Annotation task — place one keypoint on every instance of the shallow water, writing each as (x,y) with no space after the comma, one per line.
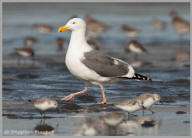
(49,77)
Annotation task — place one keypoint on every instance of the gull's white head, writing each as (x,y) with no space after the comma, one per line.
(73,24)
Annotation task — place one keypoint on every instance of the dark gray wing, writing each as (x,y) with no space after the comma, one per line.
(104,65)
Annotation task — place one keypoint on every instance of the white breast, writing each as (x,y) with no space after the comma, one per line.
(148,102)
(135,49)
(23,53)
(43,106)
(78,69)
(130,108)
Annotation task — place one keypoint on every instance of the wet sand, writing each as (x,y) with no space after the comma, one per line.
(166,121)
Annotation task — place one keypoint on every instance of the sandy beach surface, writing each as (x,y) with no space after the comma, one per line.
(167,120)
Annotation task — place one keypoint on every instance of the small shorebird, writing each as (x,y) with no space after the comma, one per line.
(148,99)
(43,104)
(129,31)
(25,52)
(29,41)
(135,47)
(43,28)
(93,44)
(94,27)
(180,25)
(159,25)
(130,105)
(90,65)
(60,42)
(113,119)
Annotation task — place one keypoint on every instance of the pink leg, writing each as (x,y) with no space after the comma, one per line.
(69,97)
(103,94)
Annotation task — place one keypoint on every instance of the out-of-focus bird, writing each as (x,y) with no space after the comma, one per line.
(93,45)
(135,47)
(129,31)
(180,25)
(29,41)
(25,53)
(43,28)
(60,43)
(159,25)
(94,27)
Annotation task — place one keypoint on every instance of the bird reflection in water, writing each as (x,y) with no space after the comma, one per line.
(117,124)
(140,125)
(44,129)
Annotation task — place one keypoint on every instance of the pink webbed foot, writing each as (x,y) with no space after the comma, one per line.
(67,98)
(104,102)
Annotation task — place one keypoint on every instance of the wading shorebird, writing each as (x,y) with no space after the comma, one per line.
(90,65)
(180,25)
(44,104)
(43,28)
(148,99)
(130,105)
(129,31)
(29,41)
(25,53)
(159,25)
(60,42)
(135,47)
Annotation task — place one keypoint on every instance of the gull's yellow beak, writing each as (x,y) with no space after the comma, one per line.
(63,28)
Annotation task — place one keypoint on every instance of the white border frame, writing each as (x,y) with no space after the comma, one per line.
(87,1)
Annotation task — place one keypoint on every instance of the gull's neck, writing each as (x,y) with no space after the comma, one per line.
(78,40)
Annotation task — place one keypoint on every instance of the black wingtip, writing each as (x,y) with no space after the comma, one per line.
(150,79)
(29,100)
(141,77)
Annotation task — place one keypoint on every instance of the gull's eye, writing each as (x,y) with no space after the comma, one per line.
(73,22)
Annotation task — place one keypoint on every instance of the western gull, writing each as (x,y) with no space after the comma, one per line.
(90,65)
(93,44)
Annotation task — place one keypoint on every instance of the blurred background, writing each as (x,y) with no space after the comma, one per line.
(18,21)
(34,56)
